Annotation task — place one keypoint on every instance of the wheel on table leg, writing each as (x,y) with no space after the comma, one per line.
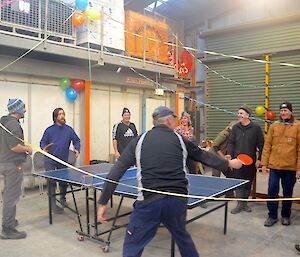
(80,238)
(105,249)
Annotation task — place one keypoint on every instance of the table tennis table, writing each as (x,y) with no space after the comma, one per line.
(198,185)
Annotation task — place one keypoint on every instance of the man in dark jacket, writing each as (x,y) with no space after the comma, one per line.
(12,155)
(160,155)
(246,138)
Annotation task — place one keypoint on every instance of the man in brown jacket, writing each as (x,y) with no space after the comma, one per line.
(281,154)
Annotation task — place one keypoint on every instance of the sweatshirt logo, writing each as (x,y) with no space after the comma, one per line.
(129,133)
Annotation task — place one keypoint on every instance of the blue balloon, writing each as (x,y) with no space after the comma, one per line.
(71,94)
(81,4)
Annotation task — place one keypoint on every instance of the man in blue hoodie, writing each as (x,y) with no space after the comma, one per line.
(56,140)
(13,153)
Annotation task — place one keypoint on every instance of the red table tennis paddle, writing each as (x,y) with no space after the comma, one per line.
(245,159)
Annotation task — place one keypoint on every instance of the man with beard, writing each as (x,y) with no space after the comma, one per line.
(13,153)
(56,140)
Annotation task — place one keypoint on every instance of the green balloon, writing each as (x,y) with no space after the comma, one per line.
(64,83)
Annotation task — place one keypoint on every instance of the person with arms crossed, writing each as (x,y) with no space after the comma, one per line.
(160,156)
(13,154)
(56,140)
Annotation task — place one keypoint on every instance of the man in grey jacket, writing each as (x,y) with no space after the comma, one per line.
(12,155)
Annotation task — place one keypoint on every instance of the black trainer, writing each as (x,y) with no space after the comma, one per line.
(286,221)
(239,208)
(63,203)
(57,210)
(12,233)
(247,208)
(270,222)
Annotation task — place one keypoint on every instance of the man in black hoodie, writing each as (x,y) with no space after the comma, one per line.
(12,154)
(246,138)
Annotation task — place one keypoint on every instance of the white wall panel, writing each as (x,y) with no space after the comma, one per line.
(44,99)
(100,125)
(151,104)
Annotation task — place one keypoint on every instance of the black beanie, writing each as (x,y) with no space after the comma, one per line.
(55,114)
(125,110)
(287,105)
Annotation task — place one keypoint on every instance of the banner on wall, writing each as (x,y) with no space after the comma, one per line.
(184,64)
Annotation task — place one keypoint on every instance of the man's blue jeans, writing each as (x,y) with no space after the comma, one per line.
(288,179)
(146,218)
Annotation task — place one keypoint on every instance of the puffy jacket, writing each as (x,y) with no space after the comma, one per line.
(282,147)
(221,141)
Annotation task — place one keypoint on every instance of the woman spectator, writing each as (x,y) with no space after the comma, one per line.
(186,130)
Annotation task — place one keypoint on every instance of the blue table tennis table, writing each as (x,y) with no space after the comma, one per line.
(198,185)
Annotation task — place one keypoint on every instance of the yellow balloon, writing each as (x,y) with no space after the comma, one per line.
(260,110)
(93,14)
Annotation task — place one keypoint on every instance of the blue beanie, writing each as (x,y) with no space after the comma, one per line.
(16,106)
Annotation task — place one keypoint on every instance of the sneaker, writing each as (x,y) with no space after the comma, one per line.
(12,233)
(57,210)
(239,208)
(247,208)
(270,222)
(64,203)
(297,246)
(286,221)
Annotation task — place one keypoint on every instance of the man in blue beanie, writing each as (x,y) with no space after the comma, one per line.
(13,153)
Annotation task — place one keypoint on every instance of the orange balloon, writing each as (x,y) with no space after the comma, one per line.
(78,19)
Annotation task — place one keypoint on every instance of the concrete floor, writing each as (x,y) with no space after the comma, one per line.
(246,235)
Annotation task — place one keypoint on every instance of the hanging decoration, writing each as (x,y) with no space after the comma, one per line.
(71,94)
(184,64)
(85,12)
(64,83)
(81,4)
(93,14)
(270,115)
(78,19)
(260,110)
(77,84)
(72,87)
